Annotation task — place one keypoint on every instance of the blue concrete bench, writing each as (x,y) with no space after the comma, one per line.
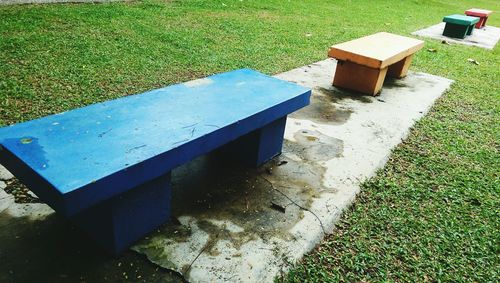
(107,166)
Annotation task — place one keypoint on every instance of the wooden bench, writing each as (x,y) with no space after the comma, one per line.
(459,26)
(107,166)
(363,63)
(481,14)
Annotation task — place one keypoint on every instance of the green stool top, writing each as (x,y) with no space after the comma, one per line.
(460,19)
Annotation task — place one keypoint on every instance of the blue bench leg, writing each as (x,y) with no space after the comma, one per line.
(118,222)
(259,146)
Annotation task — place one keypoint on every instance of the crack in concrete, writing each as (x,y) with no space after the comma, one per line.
(298,205)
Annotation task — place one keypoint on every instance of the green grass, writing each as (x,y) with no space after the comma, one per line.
(432,214)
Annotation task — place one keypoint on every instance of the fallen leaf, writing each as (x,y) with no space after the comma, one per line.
(432,50)
(473,61)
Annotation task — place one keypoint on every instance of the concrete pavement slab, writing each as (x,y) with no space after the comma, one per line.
(486,37)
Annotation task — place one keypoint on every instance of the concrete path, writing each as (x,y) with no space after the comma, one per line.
(232,223)
(486,37)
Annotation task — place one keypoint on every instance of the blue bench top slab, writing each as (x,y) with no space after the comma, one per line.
(81,157)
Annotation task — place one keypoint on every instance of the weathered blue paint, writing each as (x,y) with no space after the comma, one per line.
(81,161)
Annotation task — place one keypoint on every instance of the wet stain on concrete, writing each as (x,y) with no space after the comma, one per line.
(394,83)
(315,146)
(323,109)
(226,191)
(210,188)
(415,83)
(178,232)
(341,94)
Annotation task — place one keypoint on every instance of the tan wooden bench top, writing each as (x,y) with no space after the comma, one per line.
(377,50)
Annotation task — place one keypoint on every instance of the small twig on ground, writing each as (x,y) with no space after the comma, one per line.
(278,207)
(209,244)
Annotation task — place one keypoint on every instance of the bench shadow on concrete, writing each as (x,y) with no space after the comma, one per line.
(51,250)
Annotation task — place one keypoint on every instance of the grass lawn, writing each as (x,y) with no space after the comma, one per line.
(432,214)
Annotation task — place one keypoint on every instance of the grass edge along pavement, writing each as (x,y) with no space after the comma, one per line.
(431,214)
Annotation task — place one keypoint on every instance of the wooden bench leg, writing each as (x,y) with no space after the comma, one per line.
(257,147)
(482,22)
(479,24)
(470,29)
(359,78)
(400,69)
(118,222)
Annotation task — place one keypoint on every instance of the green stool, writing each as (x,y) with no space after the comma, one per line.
(459,26)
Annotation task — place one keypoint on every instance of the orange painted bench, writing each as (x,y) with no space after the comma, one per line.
(363,63)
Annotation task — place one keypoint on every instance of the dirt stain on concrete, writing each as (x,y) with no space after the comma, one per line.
(314,146)
(210,188)
(323,108)
(394,83)
(342,94)
(222,190)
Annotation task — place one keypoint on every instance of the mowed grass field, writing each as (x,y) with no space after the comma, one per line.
(432,214)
